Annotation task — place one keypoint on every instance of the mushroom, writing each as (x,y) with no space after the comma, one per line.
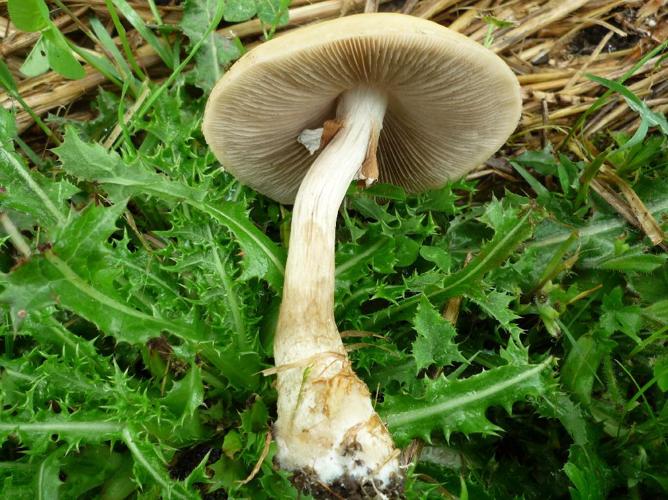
(370,96)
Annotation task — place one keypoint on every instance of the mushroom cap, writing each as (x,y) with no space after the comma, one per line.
(451,102)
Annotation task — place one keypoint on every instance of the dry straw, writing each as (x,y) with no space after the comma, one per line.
(551,46)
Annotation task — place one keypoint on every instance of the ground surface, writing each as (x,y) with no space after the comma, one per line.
(512,325)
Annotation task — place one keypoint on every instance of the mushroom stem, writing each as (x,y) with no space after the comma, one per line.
(309,273)
(327,428)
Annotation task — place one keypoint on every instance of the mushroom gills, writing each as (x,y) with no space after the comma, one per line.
(327,429)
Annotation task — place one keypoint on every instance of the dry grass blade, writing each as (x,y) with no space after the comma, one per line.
(612,198)
(297,16)
(433,7)
(645,219)
(260,461)
(371,6)
(594,56)
(551,45)
(550,13)
(469,15)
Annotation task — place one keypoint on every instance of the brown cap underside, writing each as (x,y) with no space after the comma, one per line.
(451,102)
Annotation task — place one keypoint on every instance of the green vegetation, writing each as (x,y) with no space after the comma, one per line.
(140,284)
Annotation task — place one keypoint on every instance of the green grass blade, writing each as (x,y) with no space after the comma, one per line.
(138,23)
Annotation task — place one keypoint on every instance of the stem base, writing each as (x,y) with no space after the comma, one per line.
(332,433)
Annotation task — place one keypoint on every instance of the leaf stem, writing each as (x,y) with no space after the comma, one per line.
(23,172)
(15,235)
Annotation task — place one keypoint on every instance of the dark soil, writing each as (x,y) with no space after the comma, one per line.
(346,487)
(186,460)
(588,39)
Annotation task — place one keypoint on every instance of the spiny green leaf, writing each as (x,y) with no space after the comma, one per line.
(497,305)
(93,163)
(579,370)
(150,465)
(636,262)
(460,405)
(216,52)
(620,317)
(78,278)
(511,230)
(588,474)
(47,480)
(657,311)
(187,394)
(437,255)
(31,193)
(435,338)
(72,428)
(556,404)
(263,258)
(548,233)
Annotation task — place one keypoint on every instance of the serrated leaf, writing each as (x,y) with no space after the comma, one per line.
(47,481)
(559,405)
(497,305)
(579,370)
(75,274)
(657,311)
(255,418)
(71,428)
(151,465)
(588,474)
(232,443)
(94,163)
(460,405)
(216,51)
(437,255)
(435,338)
(262,257)
(31,193)
(599,228)
(187,394)
(637,262)
(511,230)
(618,316)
